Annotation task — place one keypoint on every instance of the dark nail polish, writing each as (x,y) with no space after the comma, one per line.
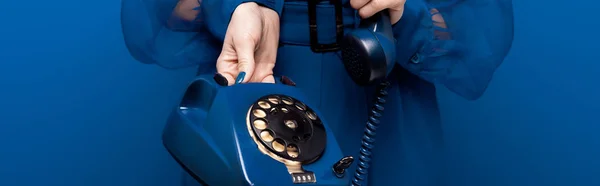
(240,77)
(220,79)
(287,81)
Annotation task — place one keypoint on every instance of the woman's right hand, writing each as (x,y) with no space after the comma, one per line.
(250,45)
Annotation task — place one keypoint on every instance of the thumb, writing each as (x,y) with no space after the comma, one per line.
(245,53)
(396,12)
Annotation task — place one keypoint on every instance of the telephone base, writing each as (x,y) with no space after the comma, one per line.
(209,135)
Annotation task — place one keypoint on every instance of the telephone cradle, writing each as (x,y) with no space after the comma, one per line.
(253,134)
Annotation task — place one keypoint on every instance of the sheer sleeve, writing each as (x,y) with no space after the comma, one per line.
(179,33)
(458,43)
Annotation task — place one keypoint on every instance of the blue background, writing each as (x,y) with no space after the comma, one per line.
(77,110)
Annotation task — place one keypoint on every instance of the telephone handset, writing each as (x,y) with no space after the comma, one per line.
(369,54)
(268,134)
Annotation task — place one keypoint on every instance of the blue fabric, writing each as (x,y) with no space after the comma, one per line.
(463,56)
(461,51)
(151,39)
(155,34)
(219,12)
(464,50)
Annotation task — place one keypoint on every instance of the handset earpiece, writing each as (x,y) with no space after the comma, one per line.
(368,53)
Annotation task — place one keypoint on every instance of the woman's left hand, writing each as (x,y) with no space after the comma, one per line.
(368,8)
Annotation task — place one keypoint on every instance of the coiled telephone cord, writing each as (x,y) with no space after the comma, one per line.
(368,139)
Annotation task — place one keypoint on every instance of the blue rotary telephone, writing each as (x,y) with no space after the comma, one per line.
(270,134)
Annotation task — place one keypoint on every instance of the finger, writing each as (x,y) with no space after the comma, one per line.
(269,79)
(371,8)
(228,69)
(396,11)
(265,57)
(357,4)
(438,21)
(262,71)
(227,62)
(396,14)
(437,18)
(245,56)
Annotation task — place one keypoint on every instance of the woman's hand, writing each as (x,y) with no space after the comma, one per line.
(368,8)
(250,45)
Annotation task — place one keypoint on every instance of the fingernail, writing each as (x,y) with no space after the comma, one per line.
(240,77)
(220,79)
(287,81)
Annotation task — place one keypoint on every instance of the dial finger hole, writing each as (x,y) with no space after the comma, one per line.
(278,145)
(266,135)
(259,113)
(273,111)
(300,106)
(292,151)
(260,124)
(274,100)
(285,110)
(287,101)
(291,124)
(264,105)
(311,115)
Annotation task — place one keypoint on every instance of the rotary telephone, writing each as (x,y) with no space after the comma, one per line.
(271,134)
